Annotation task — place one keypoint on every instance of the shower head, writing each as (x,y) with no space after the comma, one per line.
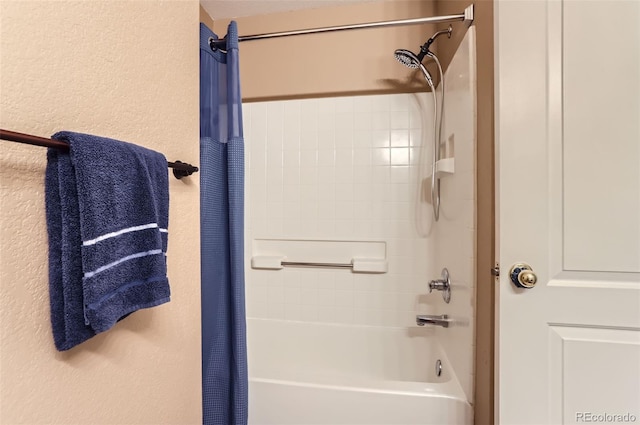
(413,61)
(410,60)
(407,58)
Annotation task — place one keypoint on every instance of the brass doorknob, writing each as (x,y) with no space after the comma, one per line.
(522,276)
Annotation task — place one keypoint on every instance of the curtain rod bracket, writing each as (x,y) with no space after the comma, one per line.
(469,15)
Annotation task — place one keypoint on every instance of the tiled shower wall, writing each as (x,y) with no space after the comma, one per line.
(338,169)
(347,169)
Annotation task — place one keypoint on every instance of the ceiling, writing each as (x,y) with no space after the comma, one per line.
(219,9)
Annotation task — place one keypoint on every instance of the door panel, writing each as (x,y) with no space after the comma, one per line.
(601,133)
(590,365)
(568,155)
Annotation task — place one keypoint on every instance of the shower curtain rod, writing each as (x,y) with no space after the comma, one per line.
(180,169)
(467,17)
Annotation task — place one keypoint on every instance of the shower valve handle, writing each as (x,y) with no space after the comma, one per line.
(438,285)
(443,284)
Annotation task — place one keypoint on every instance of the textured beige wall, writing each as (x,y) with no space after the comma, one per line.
(123,69)
(205,18)
(329,64)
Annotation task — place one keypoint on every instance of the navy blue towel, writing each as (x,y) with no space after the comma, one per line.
(107,205)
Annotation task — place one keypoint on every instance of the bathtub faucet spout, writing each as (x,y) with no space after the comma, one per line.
(429,319)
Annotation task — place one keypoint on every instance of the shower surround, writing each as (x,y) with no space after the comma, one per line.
(347,169)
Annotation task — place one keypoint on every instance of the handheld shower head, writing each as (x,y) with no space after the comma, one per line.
(407,58)
(410,60)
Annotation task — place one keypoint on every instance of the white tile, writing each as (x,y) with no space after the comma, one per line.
(309,313)
(344,158)
(362,120)
(325,297)
(308,158)
(344,122)
(327,210)
(308,139)
(308,296)
(381,156)
(326,157)
(290,192)
(274,158)
(291,175)
(309,176)
(275,311)
(275,295)
(291,139)
(344,299)
(274,193)
(326,228)
(344,175)
(274,210)
(379,103)
(344,104)
(381,121)
(326,139)
(291,158)
(344,211)
(344,193)
(274,134)
(361,157)
(292,295)
(309,107)
(398,102)
(380,174)
(399,119)
(291,278)
(399,138)
(380,138)
(361,174)
(344,139)
(291,210)
(274,228)
(308,194)
(294,312)
(326,175)
(400,175)
(363,138)
(326,193)
(291,111)
(335,315)
(399,156)
(362,104)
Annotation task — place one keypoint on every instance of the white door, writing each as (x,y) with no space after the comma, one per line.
(568,188)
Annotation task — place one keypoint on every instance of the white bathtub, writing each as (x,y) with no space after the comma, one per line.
(305,373)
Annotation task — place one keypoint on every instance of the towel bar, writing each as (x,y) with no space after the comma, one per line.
(357,265)
(180,169)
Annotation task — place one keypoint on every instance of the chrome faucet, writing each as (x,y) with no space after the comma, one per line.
(429,319)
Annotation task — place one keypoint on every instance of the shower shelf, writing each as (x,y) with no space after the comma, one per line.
(445,167)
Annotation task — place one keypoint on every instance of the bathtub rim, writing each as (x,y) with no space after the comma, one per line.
(449,388)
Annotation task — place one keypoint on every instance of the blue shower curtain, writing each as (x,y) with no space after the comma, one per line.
(224,353)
